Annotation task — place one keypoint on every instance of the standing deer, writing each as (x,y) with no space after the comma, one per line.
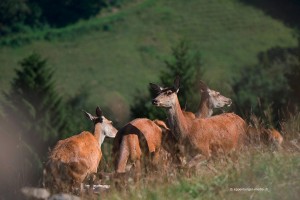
(76,157)
(129,139)
(210,99)
(221,132)
(138,137)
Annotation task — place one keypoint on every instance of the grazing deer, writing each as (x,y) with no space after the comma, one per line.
(221,132)
(76,157)
(137,137)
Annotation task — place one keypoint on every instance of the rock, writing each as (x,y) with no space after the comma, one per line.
(35,193)
(64,196)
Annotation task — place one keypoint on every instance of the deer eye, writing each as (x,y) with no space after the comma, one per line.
(169,92)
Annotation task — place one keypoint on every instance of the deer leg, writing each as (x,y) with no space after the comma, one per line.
(137,170)
(155,159)
(205,151)
(123,158)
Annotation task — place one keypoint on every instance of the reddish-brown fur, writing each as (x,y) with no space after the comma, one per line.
(221,132)
(74,158)
(267,136)
(137,137)
(210,99)
(275,137)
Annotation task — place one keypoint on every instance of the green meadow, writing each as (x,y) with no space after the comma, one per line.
(117,53)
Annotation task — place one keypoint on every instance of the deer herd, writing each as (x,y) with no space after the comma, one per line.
(75,160)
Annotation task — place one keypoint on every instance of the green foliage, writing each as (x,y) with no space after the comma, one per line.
(15,15)
(12,14)
(129,54)
(184,63)
(271,85)
(188,66)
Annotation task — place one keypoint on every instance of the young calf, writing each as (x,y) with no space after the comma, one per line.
(76,157)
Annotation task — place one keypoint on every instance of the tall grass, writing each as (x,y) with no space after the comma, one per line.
(258,173)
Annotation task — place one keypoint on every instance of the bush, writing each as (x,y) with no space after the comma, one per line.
(271,85)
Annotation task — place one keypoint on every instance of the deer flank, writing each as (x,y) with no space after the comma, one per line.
(207,135)
(76,157)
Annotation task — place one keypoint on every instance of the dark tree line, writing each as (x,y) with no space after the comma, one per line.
(15,15)
(271,88)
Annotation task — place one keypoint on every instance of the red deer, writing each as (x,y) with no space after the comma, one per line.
(221,132)
(257,133)
(210,99)
(137,137)
(128,140)
(76,157)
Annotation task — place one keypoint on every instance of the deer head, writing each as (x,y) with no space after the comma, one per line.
(166,97)
(107,129)
(216,100)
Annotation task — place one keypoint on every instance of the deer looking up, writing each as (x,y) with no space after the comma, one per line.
(221,132)
(130,139)
(76,157)
(210,99)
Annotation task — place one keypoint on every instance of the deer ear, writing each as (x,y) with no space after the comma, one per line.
(98,112)
(177,83)
(161,124)
(155,87)
(203,86)
(88,115)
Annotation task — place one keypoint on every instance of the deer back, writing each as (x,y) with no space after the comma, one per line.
(222,132)
(74,158)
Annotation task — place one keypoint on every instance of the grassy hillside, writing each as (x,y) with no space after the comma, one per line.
(114,55)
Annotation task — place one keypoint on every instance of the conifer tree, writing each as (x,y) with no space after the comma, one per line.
(34,105)
(185,63)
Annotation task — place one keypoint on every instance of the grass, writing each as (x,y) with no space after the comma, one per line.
(116,54)
(258,174)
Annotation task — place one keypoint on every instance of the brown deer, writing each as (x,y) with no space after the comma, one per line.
(257,133)
(138,137)
(76,157)
(210,99)
(157,134)
(221,132)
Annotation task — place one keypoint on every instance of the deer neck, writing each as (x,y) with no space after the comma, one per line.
(98,133)
(178,123)
(204,109)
